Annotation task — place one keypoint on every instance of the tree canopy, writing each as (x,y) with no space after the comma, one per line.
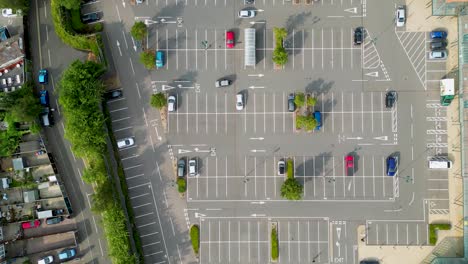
(23,5)
(158,100)
(71,4)
(148,59)
(139,31)
(291,189)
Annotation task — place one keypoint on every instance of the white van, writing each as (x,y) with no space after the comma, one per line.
(440,163)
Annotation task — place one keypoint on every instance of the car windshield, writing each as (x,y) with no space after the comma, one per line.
(239,104)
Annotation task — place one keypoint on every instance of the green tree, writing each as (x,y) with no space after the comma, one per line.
(291,189)
(300,121)
(280,34)
(71,4)
(22,5)
(195,237)
(148,59)
(22,104)
(311,101)
(158,100)
(299,99)
(280,56)
(139,30)
(310,123)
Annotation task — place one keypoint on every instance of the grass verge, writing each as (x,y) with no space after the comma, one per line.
(433,231)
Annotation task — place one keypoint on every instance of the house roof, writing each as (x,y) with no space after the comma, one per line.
(18,164)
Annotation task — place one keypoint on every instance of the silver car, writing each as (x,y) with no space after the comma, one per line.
(125,142)
(247,13)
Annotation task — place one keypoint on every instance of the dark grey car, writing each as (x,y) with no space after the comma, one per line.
(54,220)
(291,104)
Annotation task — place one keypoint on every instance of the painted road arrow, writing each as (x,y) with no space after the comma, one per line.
(257,215)
(257,22)
(167,87)
(257,150)
(261,202)
(118,46)
(357,138)
(182,151)
(256,75)
(256,87)
(351,10)
(382,138)
(258,138)
(199,215)
(373,74)
(338,232)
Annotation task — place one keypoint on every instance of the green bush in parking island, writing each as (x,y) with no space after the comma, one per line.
(274,244)
(311,101)
(291,189)
(158,100)
(290,168)
(280,56)
(195,237)
(181,185)
(71,4)
(148,59)
(299,99)
(139,30)
(433,231)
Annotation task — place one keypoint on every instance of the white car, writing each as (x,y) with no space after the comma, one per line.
(239,102)
(171,103)
(8,12)
(438,55)
(247,13)
(125,142)
(400,16)
(222,83)
(281,167)
(192,167)
(46,260)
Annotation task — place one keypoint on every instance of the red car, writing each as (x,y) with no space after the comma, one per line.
(31,224)
(349,165)
(229,39)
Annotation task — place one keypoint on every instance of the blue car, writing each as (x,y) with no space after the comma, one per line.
(44,97)
(43,76)
(392,165)
(318,118)
(438,35)
(159,59)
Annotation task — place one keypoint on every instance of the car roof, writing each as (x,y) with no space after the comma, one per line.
(230,34)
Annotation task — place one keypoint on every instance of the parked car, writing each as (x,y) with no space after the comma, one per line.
(222,83)
(438,44)
(31,224)
(125,142)
(247,13)
(46,260)
(90,17)
(291,104)
(318,119)
(4,33)
(159,59)
(438,35)
(113,94)
(193,167)
(54,220)
(358,35)
(239,101)
(43,76)
(181,168)
(44,97)
(349,165)
(229,39)
(249,2)
(281,167)
(67,254)
(8,12)
(438,55)
(400,16)
(392,165)
(171,103)
(390,99)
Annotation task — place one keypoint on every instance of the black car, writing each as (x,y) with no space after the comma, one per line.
(291,104)
(90,17)
(358,36)
(113,94)
(438,44)
(390,99)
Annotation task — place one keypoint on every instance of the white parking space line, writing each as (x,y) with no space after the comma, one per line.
(352,115)
(255,113)
(322,48)
(138,206)
(312,53)
(167,46)
(177,48)
(187,107)
(362,112)
(196,111)
(206,111)
(143,215)
(186,49)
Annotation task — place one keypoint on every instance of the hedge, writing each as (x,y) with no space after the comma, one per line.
(182,185)
(290,168)
(433,231)
(195,237)
(274,244)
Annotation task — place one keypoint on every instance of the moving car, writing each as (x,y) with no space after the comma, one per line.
(222,83)
(193,167)
(400,16)
(31,224)
(43,76)
(113,94)
(125,142)
(159,59)
(438,55)
(349,165)
(392,165)
(171,103)
(281,167)
(54,220)
(229,39)
(318,119)
(181,168)
(358,35)
(438,35)
(90,17)
(46,260)
(44,97)
(239,101)
(67,254)
(247,13)
(291,104)
(438,44)
(390,99)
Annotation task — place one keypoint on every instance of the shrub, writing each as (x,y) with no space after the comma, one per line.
(158,100)
(148,59)
(280,56)
(182,185)
(310,123)
(291,189)
(139,30)
(75,20)
(290,168)
(98,27)
(433,231)
(195,237)
(299,100)
(274,244)
(311,101)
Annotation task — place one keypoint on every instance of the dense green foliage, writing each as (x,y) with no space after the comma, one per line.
(23,5)
(10,138)
(195,237)
(291,189)
(158,100)
(148,59)
(307,122)
(181,185)
(311,101)
(274,244)
(71,4)
(299,99)
(280,56)
(433,231)
(139,30)
(290,168)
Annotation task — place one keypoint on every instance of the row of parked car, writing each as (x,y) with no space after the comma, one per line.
(64,255)
(438,45)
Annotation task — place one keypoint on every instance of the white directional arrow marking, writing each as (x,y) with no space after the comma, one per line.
(118,46)
(357,138)
(351,10)
(182,151)
(257,215)
(256,87)
(185,87)
(258,138)
(257,22)
(338,232)
(256,75)
(199,215)
(257,150)
(339,249)
(261,202)
(134,46)
(373,74)
(382,138)
(166,87)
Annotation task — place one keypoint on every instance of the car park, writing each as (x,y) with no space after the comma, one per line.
(358,35)
(318,119)
(31,224)
(349,165)
(438,55)
(125,142)
(281,167)
(44,97)
(46,260)
(247,13)
(438,35)
(400,16)
(67,254)
(159,59)
(171,103)
(390,99)
(193,167)
(392,165)
(113,94)
(239,101)
(181,168)
(222,83)
(90,17)
(43,76)
(438,44)
(291,104)
(54,220)
(229,39)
